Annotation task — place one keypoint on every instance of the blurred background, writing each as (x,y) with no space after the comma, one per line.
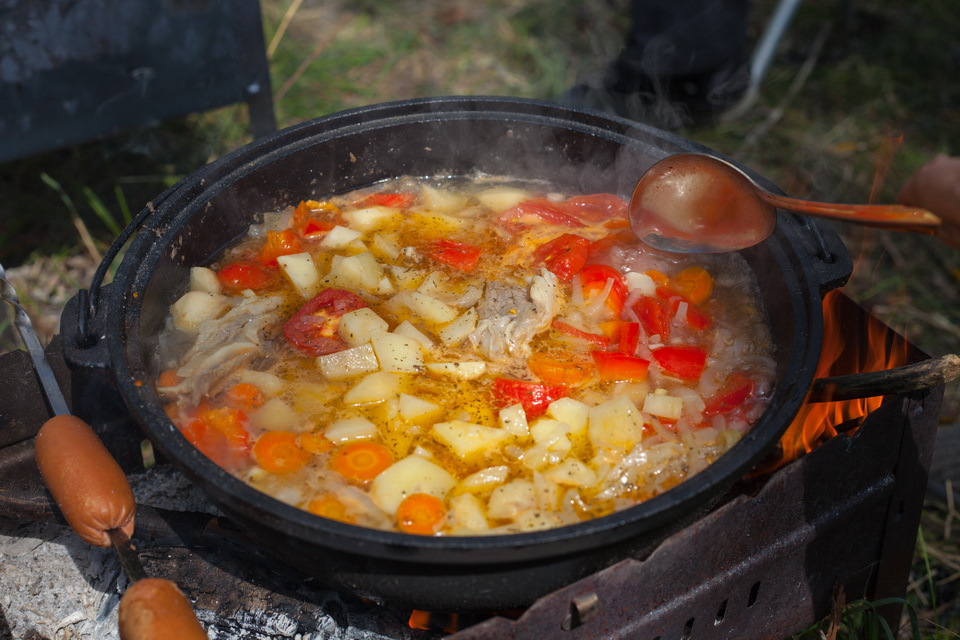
(858,95)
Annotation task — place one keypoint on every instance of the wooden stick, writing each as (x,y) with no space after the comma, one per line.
(911,377)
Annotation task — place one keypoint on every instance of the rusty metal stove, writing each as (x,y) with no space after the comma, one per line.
(767,563)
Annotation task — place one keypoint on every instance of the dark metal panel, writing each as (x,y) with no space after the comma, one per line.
(74,70)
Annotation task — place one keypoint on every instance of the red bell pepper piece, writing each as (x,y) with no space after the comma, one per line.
(570,330)
(534,396)
(538,211)
(654,314)
(396,200)
(619,367)
(238,276)
(685,362)
(732,395)
(594,278)
(565,255)
(459,255)
(629,337)
(279,243)
(313,329)
(596,206)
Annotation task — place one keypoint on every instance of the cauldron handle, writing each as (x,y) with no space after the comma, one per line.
(88,301)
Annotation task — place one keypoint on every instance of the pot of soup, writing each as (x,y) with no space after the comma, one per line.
(414,351)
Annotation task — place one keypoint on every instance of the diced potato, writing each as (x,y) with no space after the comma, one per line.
(509,500)
(374,387)
(370,218)
(537,520)
(406,278)
(397,353)
(384,246)
(441,200)
(426,307)
(302,273)
(196,307)
(462,370)
(414,409)
(571,411)
(467,512)
(340,237)
(204,279)
(431,224)
(385,288)
(661,405)
(615,424)
(407,330)
(350,430)
(500,199)
(571,472)
(406,477)
(348,363)
(513,419)
(275,415)
(360,272)
(357,327)
(547,430)
(433,284)
(457,331)
(466,439)
(485,479)
(268,383)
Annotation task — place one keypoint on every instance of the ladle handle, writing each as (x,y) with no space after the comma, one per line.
(893,217)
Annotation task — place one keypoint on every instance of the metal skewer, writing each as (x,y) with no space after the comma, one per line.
(51,390)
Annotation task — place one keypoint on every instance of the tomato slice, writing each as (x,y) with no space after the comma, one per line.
(396,200)
(279,243)
(593,280)
(563,369)
(313,329)
(565,255)
(238,276)
(459,255)
(533,212)
(597,206)
(619,367)
(654,315)
(732,395)
(570,330)
(534,396)
(685,362)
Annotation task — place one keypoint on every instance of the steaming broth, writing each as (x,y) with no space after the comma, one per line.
(463,358)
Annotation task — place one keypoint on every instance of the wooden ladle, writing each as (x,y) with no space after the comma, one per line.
(697,203)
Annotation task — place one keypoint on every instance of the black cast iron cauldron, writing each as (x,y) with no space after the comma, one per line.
(112,331)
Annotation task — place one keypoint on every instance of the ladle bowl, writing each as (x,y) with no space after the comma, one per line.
(697,203)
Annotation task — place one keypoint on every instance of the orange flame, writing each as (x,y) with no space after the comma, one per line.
(846,349)
(427,621)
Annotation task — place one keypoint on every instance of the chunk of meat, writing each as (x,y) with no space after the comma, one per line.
(225,344)
(511,315)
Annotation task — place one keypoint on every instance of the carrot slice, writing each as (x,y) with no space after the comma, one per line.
(277,452)
(329,507)
(315,443)
(169,378)
(421,513)
(694,283)
(361,461)
(244,395)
